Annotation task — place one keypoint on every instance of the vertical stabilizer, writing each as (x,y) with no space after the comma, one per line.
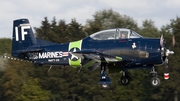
(23,36)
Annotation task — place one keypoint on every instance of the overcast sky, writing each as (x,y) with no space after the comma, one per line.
(160,11)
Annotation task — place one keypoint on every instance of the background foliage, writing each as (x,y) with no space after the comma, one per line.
(23,81)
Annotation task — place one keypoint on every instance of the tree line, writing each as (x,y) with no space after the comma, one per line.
(24,81)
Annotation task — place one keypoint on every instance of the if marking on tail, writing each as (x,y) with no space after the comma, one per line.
(23,32)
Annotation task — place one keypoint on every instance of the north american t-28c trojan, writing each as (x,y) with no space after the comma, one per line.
(119,49)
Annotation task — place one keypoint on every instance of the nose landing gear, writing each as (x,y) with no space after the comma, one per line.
(155,81)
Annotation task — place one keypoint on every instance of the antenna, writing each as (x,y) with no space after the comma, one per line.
(50,68)
(80,69)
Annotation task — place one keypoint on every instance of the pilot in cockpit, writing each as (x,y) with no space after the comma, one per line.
(123,36)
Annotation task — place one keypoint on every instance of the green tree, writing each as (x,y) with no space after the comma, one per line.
(92,27)
(149,29)
(5,45)
(75,30)
(31,91)
(60,33)
(44,31)
(14,76)
(11,81)
(5,49)
(108,19)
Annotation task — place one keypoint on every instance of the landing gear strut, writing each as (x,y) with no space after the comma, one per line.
(155,81)
(105,82)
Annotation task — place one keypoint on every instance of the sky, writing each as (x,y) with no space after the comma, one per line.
(160,11)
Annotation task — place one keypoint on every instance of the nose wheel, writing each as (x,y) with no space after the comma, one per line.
(155,81)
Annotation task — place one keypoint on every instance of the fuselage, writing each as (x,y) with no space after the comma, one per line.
(141,51)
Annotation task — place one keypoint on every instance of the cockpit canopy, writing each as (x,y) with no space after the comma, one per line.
(115,34)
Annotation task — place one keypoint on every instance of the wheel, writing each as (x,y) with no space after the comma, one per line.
(105,86)
(125,80)
(155,82)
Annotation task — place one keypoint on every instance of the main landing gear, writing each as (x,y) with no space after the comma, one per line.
(105,82)
(125,78)
(155,81)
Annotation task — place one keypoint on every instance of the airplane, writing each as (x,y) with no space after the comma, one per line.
(118,49)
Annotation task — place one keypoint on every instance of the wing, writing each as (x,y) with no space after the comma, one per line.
(97,56)
(93,59)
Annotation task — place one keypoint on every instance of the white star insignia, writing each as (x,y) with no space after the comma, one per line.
(73,56)
(74,50)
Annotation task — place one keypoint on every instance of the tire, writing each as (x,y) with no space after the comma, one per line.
(105,86)
(155,82)
(125,80)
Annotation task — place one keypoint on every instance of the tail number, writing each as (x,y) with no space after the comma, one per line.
(23,33)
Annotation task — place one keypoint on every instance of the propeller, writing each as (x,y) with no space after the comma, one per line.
(167,52)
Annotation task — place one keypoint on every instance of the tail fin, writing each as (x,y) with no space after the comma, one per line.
(23,36)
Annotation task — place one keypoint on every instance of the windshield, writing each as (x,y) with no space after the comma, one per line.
(134,35)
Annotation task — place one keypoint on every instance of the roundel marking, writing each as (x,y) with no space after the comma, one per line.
(73,47)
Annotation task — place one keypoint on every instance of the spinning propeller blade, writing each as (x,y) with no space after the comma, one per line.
(161,41)
(173,42)
(173,39)
(166,73)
